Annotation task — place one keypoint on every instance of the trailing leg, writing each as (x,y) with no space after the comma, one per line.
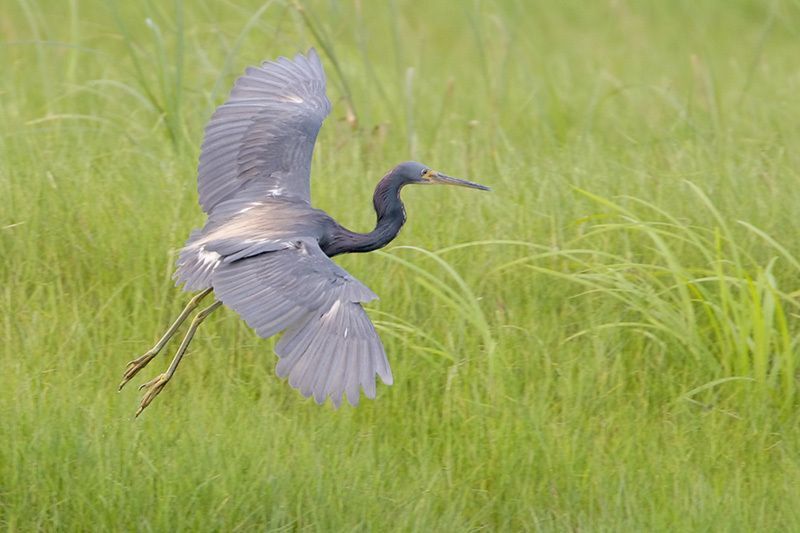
(155,386)
(140,362)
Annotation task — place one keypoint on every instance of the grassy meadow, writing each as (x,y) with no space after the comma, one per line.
(606,342)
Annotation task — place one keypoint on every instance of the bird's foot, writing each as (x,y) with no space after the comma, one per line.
(153,387)
(135,366)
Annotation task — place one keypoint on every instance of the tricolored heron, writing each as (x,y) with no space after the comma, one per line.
(265,252)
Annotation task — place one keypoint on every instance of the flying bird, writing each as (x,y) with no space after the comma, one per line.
(265,252)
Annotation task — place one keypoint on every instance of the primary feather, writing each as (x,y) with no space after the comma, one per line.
(260,141)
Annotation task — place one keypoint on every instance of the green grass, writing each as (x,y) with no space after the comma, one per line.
(606,342)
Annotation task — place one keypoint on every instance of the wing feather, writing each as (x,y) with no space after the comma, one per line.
(329,348)
(260,141)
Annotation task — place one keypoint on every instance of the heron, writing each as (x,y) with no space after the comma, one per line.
(265,252)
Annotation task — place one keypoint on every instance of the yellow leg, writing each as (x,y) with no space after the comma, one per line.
(140,362)
(155,385)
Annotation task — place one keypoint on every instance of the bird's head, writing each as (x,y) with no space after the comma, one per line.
(412,172)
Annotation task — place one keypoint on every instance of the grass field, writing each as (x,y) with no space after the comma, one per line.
(606,342)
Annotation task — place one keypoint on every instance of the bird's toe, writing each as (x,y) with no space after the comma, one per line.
(153,388)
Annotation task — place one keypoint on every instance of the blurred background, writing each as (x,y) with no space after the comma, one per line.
(607,341)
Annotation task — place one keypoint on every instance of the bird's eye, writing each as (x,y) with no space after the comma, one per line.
(424,171)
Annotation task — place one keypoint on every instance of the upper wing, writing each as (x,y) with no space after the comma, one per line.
(261,139)
(330,347)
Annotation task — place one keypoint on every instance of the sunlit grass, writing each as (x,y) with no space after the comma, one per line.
(607,341)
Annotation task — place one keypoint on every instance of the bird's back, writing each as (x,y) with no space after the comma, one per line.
(257,227)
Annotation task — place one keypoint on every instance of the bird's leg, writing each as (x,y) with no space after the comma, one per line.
(140,362)
(155,386)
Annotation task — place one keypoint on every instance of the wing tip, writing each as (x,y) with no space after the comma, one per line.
(352,396)
(310,62)
(312,55)
(353,399)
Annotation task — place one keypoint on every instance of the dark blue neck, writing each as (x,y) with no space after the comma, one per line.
(391,217)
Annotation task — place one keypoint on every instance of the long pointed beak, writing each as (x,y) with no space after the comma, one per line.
(438,177)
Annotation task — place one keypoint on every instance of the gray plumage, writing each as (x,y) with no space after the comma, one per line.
(259,249)
(259,142)
(266,252)
(330,346)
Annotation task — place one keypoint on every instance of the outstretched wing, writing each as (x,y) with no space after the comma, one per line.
(260,141)
(330,347)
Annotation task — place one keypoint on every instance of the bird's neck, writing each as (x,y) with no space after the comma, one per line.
(391,215)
